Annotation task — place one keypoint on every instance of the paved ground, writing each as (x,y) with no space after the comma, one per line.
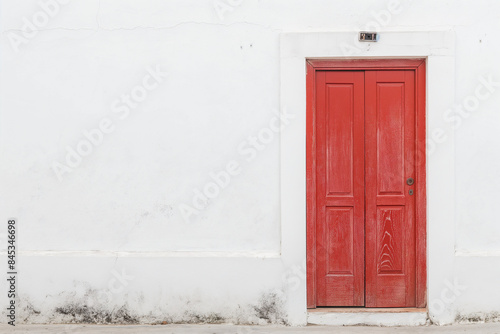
(229,329)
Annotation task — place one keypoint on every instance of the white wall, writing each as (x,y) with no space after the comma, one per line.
(119,208)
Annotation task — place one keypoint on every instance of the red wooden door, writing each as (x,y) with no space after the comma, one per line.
(340,188)
(365,210)
(390,209)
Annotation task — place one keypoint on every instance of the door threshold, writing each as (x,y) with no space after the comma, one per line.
(342,316)
(367,309)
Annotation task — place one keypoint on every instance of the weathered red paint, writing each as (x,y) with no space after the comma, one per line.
(340,188)
(365,138)
(390,209)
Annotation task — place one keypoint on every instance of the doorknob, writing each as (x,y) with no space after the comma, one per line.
(410,181)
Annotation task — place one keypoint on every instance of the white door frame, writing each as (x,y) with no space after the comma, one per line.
(438,47)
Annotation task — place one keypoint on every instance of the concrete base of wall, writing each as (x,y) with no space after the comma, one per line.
(352,317)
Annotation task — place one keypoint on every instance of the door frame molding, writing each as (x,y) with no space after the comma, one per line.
(419,66)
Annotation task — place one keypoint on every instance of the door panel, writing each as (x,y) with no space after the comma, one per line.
(390,209)
(340,188)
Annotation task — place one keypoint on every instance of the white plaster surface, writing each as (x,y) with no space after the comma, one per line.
(367,318)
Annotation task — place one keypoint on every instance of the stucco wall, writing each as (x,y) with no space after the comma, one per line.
(141,155)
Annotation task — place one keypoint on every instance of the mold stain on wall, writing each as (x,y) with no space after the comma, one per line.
(91,308)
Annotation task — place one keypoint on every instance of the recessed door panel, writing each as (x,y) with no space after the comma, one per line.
(340,150)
